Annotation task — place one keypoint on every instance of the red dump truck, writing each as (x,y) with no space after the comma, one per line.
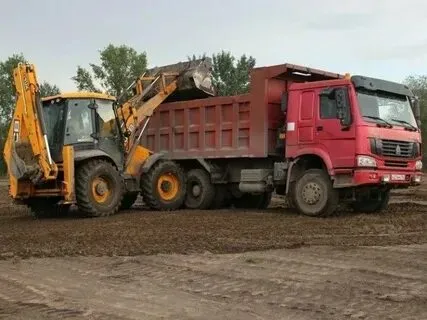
(317,137)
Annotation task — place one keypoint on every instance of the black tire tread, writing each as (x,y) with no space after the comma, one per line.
(148,190)
(207,186)
(82,193)
(333,196)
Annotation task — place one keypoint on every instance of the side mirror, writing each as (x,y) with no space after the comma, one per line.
(343,106)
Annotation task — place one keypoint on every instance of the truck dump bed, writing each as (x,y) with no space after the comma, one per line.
(228,127)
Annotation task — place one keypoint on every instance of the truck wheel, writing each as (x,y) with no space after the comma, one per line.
(314,195)
(164,186)
(372,205)
(200,190)
(98,188)
(253,201)
(128,200)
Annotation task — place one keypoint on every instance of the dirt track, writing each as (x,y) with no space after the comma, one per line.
(339,279)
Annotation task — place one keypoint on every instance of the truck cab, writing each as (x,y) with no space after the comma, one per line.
(362,131)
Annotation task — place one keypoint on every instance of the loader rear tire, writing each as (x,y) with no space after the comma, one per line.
(163,187)
(98,188)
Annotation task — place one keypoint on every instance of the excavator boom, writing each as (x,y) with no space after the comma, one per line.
(26,150)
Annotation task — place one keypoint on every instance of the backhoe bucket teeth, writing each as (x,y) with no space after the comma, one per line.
(195,79)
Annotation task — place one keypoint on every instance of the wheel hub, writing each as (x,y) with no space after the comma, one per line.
(101,188)
(311,193)
(196,190)
(166,186)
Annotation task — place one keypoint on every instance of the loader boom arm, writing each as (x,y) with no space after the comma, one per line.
(26,150)
(151,90)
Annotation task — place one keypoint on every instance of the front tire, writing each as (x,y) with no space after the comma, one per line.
(164,186)
(314,194)
(98,188)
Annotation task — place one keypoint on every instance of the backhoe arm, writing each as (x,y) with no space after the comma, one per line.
(26,150)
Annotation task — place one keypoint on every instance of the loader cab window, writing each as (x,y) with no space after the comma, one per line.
(106,119)
(53,114)
(79,126)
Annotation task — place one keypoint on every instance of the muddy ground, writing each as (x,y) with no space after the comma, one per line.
(278,265)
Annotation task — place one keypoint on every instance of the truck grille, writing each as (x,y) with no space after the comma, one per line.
(393,148)
(395,164)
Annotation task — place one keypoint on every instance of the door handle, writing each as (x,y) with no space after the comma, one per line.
(319,128)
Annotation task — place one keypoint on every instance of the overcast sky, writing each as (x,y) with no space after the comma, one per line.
(378,38)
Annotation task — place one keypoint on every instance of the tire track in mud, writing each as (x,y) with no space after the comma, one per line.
(305,283)
(224,231)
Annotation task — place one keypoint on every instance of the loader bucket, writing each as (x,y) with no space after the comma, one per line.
(195,79)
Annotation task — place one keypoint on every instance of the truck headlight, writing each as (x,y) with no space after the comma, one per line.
(366,161)
(418,165)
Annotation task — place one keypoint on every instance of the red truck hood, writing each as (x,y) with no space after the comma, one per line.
(396,133)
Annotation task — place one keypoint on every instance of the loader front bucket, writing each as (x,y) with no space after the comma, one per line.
(194,82)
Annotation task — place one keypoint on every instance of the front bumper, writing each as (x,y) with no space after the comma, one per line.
(387,177)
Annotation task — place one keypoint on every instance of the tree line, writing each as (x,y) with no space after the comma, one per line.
(118,66)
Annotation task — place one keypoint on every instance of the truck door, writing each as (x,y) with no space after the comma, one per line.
(337,140)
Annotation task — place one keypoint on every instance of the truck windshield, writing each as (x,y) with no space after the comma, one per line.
(384,107)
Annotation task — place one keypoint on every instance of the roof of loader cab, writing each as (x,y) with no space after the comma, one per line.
(80,95)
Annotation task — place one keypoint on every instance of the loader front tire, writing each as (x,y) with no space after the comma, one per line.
(163,187)
(98,188)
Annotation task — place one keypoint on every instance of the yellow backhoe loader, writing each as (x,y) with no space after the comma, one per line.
(84,148)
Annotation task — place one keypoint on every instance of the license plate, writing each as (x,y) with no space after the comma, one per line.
(398,177)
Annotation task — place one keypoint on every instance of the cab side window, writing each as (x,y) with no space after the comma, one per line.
(328,107)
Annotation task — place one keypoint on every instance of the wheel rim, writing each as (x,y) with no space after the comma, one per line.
(101,190)
(195,189)
(311,193)
(168,186)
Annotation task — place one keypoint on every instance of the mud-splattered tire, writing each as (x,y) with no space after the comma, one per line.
(128,200)
(314,195)
(99,188)
(253,201)
(372,205)
(163,187)
(200,190)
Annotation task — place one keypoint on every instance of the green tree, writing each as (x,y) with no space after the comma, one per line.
(230,75)
(418,84)
(119,66)
(47,89)
(7,97)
